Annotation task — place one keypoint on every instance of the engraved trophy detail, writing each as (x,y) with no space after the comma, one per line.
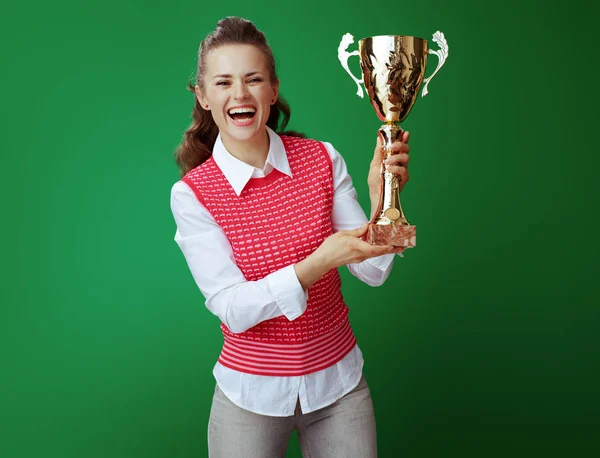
(393,69)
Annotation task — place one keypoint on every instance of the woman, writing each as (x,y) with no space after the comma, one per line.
(264,220)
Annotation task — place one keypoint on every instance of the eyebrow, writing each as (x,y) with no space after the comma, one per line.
(229,76)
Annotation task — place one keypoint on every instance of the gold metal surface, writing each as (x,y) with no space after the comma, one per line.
(389,209)
(393,69)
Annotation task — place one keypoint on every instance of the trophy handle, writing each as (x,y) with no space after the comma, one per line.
(343,56)
(442,54)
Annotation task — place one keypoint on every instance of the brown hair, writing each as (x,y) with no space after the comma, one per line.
(199,139)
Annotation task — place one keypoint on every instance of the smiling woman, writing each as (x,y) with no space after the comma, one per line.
(289,359)
(233,61)
(238,89)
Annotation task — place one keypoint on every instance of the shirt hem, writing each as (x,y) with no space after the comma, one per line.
(319,406)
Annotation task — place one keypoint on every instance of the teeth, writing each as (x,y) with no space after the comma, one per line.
(242,110)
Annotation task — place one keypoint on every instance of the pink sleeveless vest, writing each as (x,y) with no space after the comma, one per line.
(277,221)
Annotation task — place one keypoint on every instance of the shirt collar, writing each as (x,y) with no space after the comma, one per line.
(238,173)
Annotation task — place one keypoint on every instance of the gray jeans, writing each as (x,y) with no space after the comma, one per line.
(345,429)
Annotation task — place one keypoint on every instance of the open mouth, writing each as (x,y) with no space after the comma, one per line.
(242,115)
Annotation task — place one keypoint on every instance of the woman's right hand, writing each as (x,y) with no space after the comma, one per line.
(341,248)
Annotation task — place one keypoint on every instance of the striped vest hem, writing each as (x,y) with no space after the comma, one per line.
(280,359)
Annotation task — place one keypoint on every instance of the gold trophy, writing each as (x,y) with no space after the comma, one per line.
(393,68)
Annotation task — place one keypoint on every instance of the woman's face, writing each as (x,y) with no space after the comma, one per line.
(239,94)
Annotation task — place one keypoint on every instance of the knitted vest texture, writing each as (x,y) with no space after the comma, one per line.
(277,221)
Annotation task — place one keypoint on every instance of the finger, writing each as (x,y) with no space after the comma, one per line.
(400,147)
(405,136)
(398,159)
(400,172)
(395,250)
(373,250)
(387,249)
(378,152)
(358,231)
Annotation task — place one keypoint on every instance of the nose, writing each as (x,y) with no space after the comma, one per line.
(240,91)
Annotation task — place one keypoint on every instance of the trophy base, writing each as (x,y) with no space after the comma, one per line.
(391,234)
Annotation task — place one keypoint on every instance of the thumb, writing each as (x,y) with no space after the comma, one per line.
(359,231)
(378,153)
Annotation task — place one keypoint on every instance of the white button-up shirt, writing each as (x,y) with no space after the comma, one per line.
(241,304)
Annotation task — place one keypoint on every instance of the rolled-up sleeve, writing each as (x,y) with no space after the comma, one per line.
(239,303)
(347,214)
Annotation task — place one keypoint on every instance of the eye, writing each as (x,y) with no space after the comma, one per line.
(255,80)
(222,83)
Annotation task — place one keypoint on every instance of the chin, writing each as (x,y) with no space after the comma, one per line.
(246,132)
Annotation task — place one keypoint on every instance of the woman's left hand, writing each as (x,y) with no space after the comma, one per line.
(397,164)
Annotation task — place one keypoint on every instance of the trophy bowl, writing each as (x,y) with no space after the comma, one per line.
(393,70)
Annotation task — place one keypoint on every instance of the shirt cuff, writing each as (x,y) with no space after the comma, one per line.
(381,262)
(288,292)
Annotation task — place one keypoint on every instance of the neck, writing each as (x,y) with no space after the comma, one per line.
(253,152)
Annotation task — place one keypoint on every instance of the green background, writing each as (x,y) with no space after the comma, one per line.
(484,341)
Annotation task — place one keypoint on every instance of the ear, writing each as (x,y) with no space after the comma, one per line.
(275,92)
(201,98)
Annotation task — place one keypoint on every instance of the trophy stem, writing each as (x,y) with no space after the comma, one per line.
(389,210)
(389,226)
